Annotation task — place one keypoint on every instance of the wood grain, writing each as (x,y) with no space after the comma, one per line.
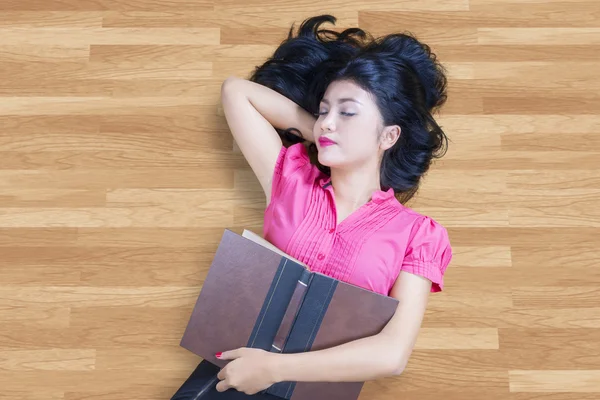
(118,174)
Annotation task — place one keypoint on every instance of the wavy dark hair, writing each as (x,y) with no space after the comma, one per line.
(403,75)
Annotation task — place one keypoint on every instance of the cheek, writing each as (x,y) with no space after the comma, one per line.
(364,145)
(315,130)
(363,136)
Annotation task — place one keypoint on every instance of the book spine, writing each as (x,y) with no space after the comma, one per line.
(306,325)
(291,312)
(275,305)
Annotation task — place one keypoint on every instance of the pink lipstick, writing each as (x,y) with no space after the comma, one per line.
(323,141)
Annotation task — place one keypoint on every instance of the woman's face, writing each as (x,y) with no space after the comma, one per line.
(350,118)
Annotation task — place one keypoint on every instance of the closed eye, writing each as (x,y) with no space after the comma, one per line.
(343,113)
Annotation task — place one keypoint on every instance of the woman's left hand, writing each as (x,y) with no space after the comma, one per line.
(250,371)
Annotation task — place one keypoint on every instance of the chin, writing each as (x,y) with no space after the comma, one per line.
(328,160)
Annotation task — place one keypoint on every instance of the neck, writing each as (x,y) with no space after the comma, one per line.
(353,188)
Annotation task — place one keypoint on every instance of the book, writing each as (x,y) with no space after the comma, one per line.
(257,296)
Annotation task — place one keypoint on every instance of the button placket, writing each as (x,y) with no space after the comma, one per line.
(328,241)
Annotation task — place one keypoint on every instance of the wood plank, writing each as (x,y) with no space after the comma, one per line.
(119,175)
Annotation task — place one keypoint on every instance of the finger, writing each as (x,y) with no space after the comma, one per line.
(231,354)
(222,386)
(221,374)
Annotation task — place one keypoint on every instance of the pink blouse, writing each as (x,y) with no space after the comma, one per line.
(368,248)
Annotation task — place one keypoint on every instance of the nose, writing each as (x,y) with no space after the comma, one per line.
(327,124)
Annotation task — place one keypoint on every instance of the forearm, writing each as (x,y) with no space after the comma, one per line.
(360,360)
(278,110)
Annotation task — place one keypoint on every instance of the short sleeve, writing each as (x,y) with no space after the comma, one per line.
(287,167)
(428,253)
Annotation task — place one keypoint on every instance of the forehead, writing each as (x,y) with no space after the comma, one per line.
(345,89)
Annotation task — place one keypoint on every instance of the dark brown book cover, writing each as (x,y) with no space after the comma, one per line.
(256,296)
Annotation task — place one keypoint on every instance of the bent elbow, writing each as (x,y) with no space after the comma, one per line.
(398,367)
(229,81)
(397,371)
(226,85)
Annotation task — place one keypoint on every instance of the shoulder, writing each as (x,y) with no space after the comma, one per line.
(421,234)
(428,240)
(425,228)
(291,158)
(428,250)
(293,173)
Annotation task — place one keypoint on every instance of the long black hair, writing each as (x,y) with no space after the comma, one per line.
(402,74)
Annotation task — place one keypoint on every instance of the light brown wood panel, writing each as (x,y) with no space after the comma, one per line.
(48,19)
(118,175)
(501,14)
(107,5)
(223,18)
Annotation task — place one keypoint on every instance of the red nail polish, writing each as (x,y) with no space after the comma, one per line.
(218,355)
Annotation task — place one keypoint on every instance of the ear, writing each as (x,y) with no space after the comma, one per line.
(389,136)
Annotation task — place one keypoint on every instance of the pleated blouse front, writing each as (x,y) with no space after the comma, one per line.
(368,248)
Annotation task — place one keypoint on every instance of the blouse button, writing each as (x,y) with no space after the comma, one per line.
(320,257)
(331,230)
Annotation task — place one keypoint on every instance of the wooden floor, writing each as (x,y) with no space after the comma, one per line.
(118,175)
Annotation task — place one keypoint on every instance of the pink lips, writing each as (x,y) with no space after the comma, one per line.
(325,142)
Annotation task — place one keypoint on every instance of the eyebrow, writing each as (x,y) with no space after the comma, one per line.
(342,100)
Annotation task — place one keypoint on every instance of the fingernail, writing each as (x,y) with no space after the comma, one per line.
(218,355)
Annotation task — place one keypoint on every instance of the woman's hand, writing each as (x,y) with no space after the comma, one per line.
(250,371)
